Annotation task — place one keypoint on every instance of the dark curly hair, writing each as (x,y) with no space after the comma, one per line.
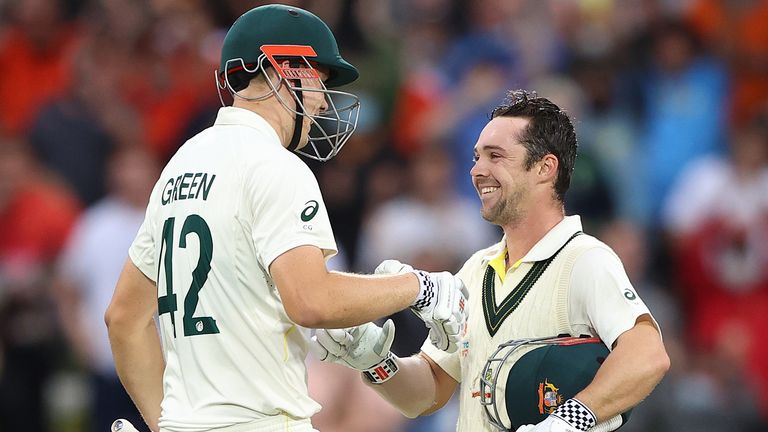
(549,131)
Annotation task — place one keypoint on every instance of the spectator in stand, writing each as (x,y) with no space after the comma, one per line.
(718,219)
(608,133)
(74,135)
(88,270)
(156,48)
(35,59)
(737,31)
(36,215)
(684,118)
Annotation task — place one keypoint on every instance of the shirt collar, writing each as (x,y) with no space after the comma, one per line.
(242,117)
(552,241)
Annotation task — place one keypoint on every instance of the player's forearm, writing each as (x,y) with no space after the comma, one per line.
(629,374)
(344,300)
(316,298)
(412,390)
(140,365)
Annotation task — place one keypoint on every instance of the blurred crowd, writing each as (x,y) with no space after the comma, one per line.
(670,101)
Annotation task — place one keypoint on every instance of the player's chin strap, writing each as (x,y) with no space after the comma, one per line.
(299,118)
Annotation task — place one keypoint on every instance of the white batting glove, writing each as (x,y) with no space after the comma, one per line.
(440,303)
(606,426)
(122,425)
(571,416)
(549,424)
(364,347)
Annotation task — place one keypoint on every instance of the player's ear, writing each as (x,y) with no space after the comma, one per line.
(547,167)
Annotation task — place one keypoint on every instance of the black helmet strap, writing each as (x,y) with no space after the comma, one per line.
(299,119)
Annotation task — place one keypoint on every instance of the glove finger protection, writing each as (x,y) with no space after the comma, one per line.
(319,349)
(440,303)
(335,341)
(361,347)
(445,313)
(392,267)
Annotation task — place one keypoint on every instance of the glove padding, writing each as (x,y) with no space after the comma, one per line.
(573,416)
(362,347)
(122,425)
(607,426)
(549,424)
(440,303)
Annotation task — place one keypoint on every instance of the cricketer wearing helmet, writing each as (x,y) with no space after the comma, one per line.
(231,254)
(544,278)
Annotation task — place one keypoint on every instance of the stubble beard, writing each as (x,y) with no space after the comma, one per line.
(506,211)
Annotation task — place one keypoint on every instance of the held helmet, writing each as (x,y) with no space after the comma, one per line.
(526,380)
(294,42)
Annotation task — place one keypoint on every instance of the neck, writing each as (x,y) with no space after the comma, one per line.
(523,234)
(273,112)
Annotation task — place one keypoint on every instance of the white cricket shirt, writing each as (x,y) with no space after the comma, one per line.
(583,290)
(228,203)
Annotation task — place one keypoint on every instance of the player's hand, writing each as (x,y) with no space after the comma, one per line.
(571,416)
(440,303)
(549,424)
(364,347)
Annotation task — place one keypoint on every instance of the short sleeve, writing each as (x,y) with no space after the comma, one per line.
(287,211)
(449,362)
(602,298)
(143,248)
(142,251)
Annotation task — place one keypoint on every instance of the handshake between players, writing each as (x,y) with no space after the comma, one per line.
(440,304)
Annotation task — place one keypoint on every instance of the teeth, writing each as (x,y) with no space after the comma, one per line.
(486,190)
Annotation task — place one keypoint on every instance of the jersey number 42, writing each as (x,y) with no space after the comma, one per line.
(193,326)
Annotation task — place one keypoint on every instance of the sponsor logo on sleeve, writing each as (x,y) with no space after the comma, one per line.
(310,210)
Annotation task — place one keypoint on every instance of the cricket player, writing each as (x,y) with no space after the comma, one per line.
(231,254)
(544,278)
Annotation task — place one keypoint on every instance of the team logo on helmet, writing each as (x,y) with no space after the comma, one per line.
(549,398)
(525,380)
(287,69)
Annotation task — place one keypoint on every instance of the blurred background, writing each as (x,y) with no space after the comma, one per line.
(670,101)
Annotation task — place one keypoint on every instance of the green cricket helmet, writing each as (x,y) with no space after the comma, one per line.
(294,42)
(284,25)
(526,380)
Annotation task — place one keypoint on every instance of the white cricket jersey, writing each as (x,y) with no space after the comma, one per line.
(228,203)
(581,289)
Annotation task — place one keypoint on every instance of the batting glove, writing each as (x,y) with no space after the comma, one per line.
(364,347)
(571,416)
(122,425)
(440,303)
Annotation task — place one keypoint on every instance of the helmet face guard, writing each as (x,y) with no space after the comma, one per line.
(525,380)
(329,129)
(293,42)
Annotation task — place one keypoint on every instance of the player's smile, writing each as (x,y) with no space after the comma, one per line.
(487,192)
